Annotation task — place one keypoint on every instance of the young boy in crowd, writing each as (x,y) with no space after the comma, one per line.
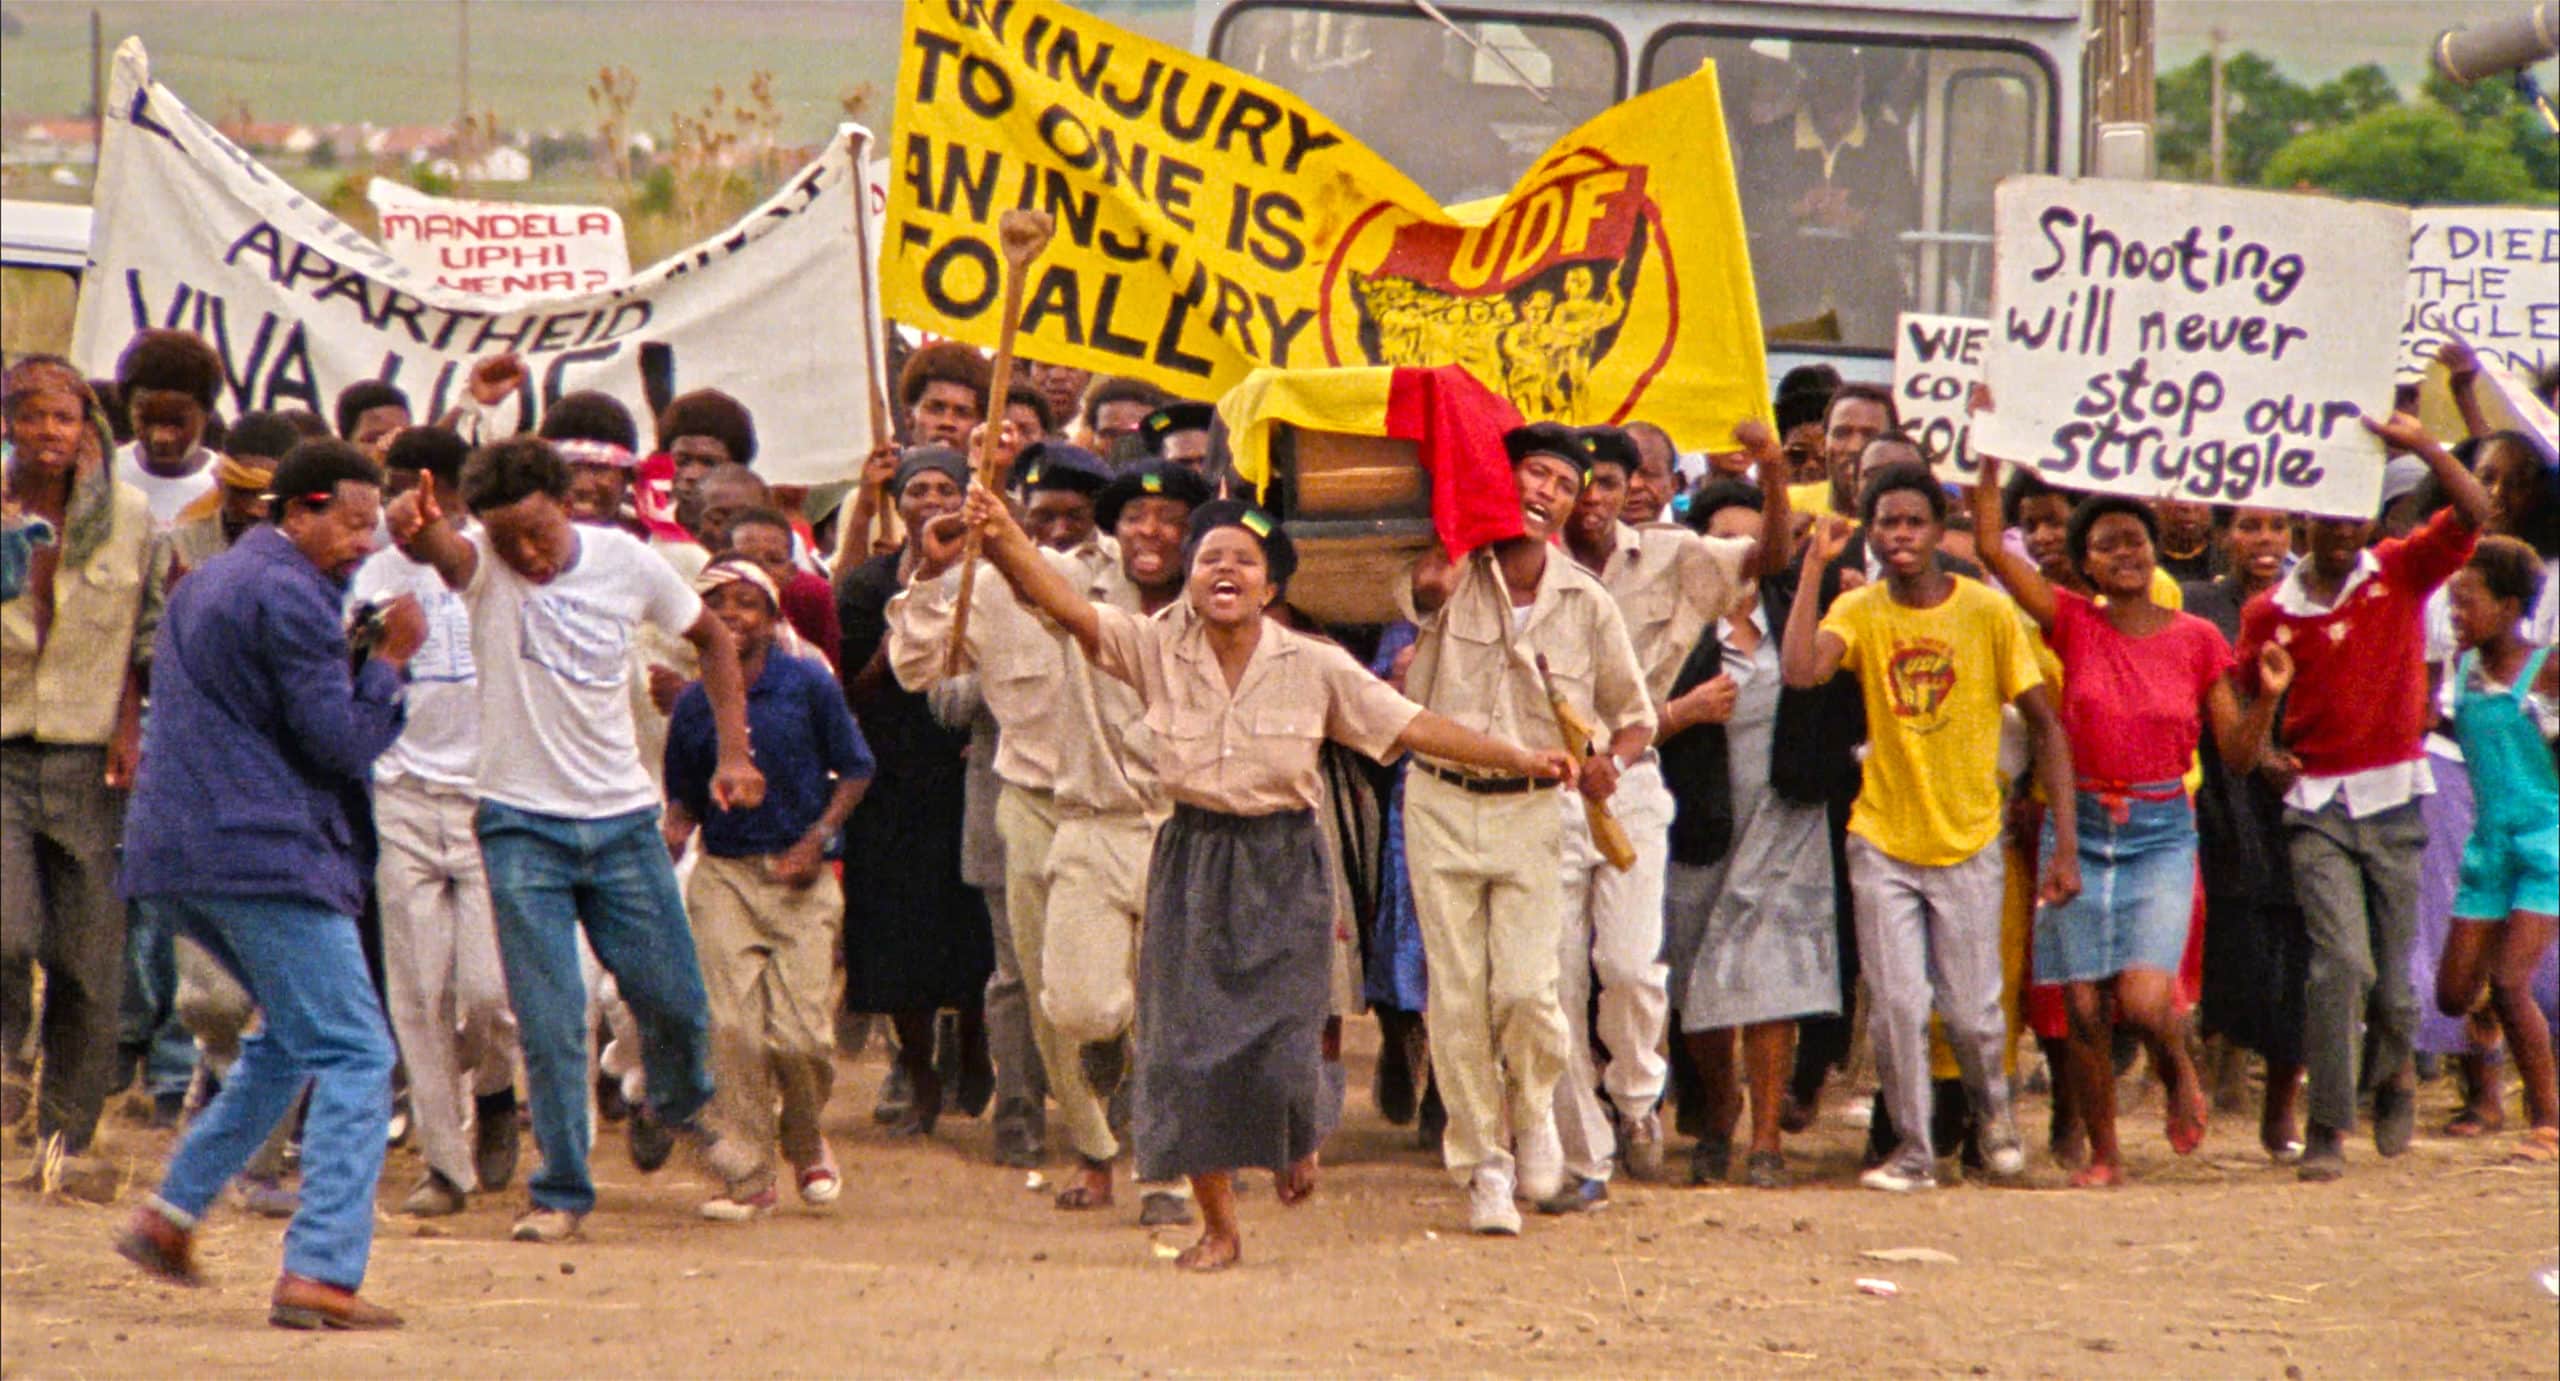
(1935,658)
(764,926)
(568,817)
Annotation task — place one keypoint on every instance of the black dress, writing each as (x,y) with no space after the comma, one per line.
(2256,954)
(915,935)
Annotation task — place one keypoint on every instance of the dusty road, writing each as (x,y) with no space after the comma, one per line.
(938,1263)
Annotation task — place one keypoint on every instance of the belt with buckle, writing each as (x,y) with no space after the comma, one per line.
(1480,786)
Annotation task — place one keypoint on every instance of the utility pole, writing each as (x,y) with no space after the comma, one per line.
(2217,117)
(462,87)
(97,87)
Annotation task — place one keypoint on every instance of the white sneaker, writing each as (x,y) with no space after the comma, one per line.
(1490,1211)
(1541,1159)
(1893,1178)
(2003,1153)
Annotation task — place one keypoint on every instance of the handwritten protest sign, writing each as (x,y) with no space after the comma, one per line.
(500,248)
(1936,362)
(1210,222)
(2489,274)
(194,233)
(2193,342)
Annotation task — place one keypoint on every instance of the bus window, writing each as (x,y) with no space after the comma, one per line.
(35,310)
(1401,83)
(1866,167)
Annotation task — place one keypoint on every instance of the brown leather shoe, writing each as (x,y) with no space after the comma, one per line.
(301,1302)
(159,1246)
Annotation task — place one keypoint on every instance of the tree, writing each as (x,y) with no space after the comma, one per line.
(2414,155)
(2263,110)
(2492,106)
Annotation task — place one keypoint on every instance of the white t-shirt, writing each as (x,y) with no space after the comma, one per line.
(167,495)
(441,742)
(555,667)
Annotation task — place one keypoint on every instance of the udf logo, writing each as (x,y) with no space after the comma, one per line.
(1566,302)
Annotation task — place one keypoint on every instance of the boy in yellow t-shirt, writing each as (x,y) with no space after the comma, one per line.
(1935,657)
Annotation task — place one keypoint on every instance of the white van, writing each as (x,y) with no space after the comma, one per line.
(44,248)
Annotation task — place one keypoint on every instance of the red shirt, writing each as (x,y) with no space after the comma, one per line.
(2359,697)
(2133,706)
(809,604)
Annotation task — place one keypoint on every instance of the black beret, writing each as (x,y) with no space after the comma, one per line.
(1150,479)
(1057,465)
(1612,446)
(1171,418)
(1278,552)
(1547,439)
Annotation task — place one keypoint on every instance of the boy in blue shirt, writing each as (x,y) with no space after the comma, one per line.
(764,927)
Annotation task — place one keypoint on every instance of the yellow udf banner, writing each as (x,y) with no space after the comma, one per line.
(1210,222)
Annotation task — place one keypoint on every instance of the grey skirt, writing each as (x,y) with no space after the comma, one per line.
(1233,992)
(1752,939)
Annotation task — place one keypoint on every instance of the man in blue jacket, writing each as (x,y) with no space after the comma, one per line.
(260,730)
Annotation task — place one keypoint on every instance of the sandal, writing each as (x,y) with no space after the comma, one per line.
(2540,1146)
(1083,1195)
(2469,1123)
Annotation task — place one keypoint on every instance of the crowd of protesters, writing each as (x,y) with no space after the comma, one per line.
(385,776)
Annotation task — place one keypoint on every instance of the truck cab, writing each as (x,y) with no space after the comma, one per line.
(44,248)
(1867,135)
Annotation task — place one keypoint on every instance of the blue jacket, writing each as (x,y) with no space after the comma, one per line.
(258,736)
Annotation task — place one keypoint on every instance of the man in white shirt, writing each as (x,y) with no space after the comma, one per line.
(568,818)
(447,992)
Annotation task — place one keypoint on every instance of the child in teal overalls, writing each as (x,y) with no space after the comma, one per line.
(2504,715)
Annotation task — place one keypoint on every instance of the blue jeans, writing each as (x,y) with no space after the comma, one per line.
(548,875)
(304,967)
(149,1024)
(2137,890)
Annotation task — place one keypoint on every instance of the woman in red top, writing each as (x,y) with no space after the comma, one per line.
(2138,680)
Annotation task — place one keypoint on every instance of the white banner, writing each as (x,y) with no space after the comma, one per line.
(500,248)
(192,232)
(2489,274)
(1936,362)
(2193,342)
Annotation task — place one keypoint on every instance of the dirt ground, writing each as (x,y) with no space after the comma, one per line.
(938,1262)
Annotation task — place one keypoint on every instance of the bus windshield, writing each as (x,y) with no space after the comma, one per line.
(1866,168)
(1461,112)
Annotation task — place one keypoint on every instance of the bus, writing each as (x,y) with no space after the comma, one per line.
(1922,105)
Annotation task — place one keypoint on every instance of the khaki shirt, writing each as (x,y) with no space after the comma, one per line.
(106,611)
(1066,730)
(1474,665)
(1670,584)
(1252,751)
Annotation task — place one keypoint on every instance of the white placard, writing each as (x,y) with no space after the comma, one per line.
(1936,362)
(2197,343)
(192,232)
(501,248)
(2488,274)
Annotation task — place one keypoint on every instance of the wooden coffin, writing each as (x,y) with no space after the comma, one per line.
(1358,509)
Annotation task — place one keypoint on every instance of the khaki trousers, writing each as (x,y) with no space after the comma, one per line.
(447,991)
(1028,823)
(1097,900)
(1486,874)
(768,954)
(1613,926)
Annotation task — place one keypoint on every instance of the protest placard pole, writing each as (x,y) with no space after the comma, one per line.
(883,529)
(1021,235)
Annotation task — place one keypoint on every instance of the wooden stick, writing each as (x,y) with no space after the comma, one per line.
(1607,834)
(1022,235)
(853,548)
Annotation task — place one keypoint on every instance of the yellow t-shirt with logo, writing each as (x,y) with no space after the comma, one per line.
(1934,681)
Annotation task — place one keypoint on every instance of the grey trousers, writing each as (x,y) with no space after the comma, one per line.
(1924,933)
(447,989)
(2358,881)
(1020,1115)
(60,824)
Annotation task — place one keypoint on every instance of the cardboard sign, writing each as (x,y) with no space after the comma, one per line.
(501,248)
(193,233)
(1210,222)
(2194,343)
(2489,274)
(1936,362)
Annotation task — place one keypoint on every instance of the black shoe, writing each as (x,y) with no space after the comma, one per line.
(1431,1121)
(1951,1122)
(1711,1160)
(611,1106)
(494,1140)
(976,1087)
(1882,1141)
(2395,1118)
(2324,1155)
(168,1110)
(652,1141)
(897,1096)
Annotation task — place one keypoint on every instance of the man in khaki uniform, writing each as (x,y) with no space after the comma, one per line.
(1485,853)
(1081,802)
(1669,584)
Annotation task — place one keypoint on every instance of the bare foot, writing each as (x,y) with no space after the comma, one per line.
(2187,1108)
(1298,1183)
(2098,1175)
(1210,1253)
